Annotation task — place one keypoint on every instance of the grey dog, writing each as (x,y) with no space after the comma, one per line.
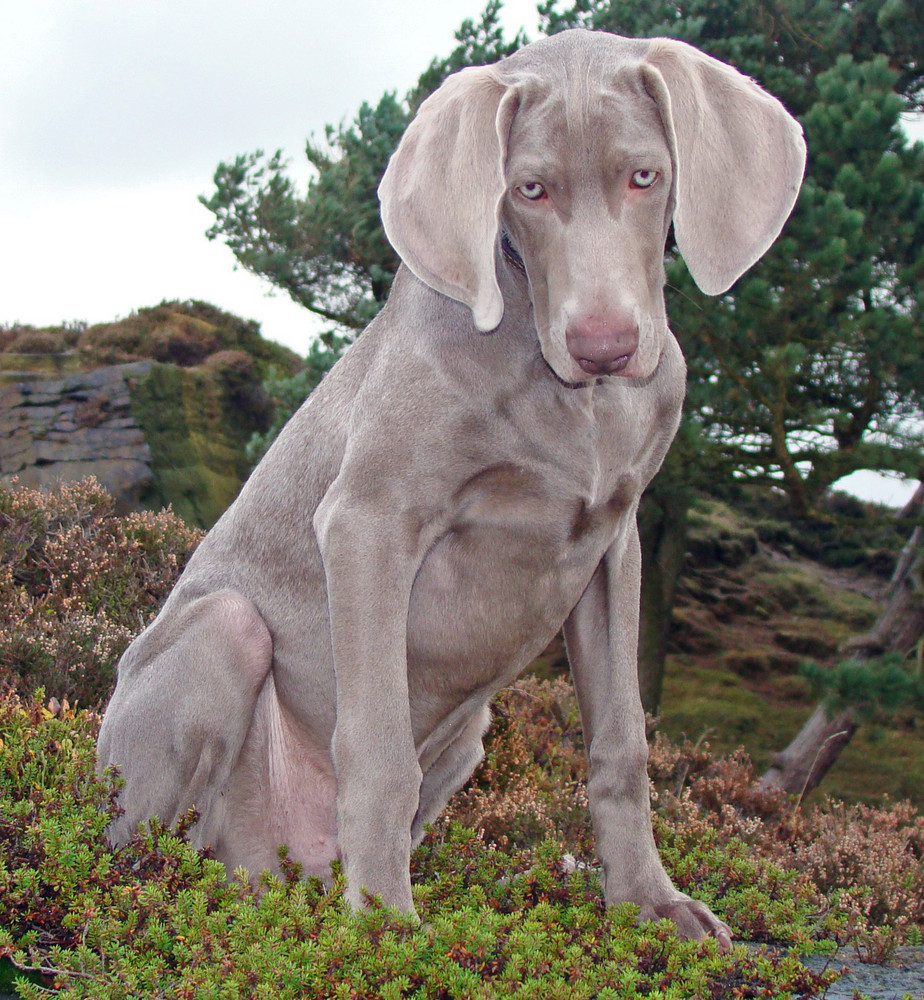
(465,481)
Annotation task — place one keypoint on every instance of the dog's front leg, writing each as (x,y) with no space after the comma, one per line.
(370,568)
(602,638)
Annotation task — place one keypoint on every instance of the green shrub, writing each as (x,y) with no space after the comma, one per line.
(763,862)
(865,863)
(158,919)
(505,914)
(875,689)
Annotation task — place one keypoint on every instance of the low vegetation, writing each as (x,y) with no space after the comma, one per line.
(505,883)
(77,583)
(180,333)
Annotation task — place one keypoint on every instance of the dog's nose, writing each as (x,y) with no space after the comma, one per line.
(602,345)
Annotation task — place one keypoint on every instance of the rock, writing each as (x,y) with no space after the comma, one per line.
(152,434)
(159,406)
(902,976)
(10,419)
(17,452)
(10,396)
(43,443)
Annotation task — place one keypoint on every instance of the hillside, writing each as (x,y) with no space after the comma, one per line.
(761,595)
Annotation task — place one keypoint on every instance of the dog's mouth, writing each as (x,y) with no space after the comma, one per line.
(604,367)
(511,252)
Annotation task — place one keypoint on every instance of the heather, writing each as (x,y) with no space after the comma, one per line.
(858,868)
(77,583)
(505,882)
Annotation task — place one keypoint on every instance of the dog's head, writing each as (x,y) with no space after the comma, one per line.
(578,152)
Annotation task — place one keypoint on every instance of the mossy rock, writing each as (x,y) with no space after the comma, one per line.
(15,366)
(197,438)
(196,386)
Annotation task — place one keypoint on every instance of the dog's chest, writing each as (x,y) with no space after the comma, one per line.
(522,541)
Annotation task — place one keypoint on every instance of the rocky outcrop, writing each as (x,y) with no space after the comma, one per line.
(153,434)
(159,406)
(53,430)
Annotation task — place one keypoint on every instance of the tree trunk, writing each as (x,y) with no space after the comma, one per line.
(901,624)
(663,532)
(899,628)
(801,766)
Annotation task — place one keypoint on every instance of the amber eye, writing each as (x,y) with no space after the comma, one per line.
(532,192)
(644,178)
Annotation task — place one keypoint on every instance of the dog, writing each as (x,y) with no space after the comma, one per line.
(464,483)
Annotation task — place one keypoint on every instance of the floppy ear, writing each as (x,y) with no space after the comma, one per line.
(739,159)
(442,190)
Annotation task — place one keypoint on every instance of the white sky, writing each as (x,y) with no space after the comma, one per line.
(114,115)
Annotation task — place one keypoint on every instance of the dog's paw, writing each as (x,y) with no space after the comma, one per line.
(692,918)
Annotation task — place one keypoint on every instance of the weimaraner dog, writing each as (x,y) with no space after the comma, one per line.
(465,480)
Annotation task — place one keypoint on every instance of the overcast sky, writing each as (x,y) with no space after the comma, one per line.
(115,113)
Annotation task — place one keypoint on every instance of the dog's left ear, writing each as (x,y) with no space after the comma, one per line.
(442,190)
(739,157)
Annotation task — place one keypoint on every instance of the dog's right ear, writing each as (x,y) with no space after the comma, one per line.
(442,191)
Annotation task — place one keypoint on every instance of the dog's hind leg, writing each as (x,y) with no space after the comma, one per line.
(449,772)
(181,710)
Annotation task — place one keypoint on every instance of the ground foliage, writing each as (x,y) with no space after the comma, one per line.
(77,582)
(158,919)
(858,868)
(182,333)
(505,882)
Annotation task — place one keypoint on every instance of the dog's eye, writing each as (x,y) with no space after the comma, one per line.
(644,178)
(533,191)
